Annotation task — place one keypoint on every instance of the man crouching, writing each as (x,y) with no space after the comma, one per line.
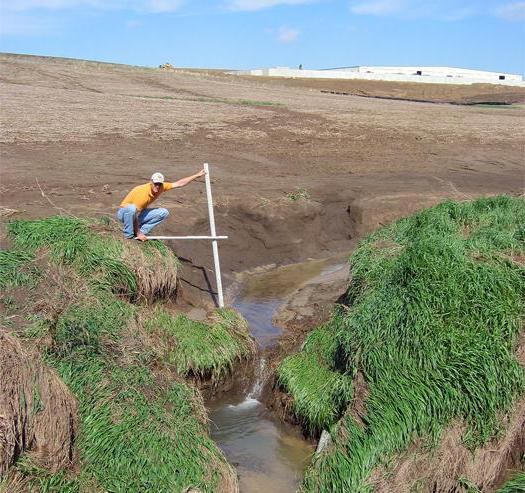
(134,213)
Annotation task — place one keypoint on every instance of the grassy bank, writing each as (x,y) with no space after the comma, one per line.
(433,314)
(141,425)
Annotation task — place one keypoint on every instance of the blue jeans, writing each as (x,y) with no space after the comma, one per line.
(147,219)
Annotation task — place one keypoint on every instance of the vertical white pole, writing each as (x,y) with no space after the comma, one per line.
(214,245)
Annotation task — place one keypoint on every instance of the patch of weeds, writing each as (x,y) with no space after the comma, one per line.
(17,269)
(244,102)
(300,193)
(467,485)
(418,486)
(251,102)
(36,329)
(514,485)
(200,349)
(9,303)
(136,431)
(133,270)
(37,405)
(6,321)
(496,106)
(320,392)
(90,327)
(134,434)
(41,479)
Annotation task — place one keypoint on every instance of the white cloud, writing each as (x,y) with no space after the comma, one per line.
(21,5)
(378,7)
(163,5)
(135,5)
(287,35)
(444,10)
(262,4)
(512,11)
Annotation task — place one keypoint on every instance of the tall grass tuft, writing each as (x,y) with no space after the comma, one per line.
(16,269)
(435,308)
(138,271)
(199,349)
(514,485)
(320,392)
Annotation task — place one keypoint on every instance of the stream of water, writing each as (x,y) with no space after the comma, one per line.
(269,456)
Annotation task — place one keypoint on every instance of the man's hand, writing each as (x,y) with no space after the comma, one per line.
(184,181)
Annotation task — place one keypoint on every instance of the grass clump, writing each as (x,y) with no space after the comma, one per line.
(16,269)
(436,304)
(35,478)
(320,393)
(97,253)
(514,485)
(300,193)
(199,349)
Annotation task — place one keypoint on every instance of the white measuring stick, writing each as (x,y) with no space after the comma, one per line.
(187,237)
(214,245)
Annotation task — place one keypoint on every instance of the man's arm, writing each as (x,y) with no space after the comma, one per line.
(184,181)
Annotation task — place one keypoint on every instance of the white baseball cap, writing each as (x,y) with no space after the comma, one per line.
(157,178)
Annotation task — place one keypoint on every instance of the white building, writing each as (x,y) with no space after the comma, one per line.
(439,75)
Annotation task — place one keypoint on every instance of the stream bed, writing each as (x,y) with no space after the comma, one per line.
(269,455)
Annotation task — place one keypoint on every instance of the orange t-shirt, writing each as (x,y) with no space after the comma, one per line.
(142,195)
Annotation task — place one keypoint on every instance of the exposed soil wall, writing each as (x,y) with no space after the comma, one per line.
(439,471)
(38,413)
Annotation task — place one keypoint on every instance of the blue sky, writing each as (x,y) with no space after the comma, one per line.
(483,34)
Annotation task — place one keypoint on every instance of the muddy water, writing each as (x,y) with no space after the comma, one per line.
(269,456)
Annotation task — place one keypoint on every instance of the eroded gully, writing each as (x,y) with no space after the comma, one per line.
(268,454)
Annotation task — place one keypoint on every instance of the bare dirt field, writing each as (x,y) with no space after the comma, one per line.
(296,172)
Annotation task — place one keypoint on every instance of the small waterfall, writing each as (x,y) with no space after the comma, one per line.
(255,391)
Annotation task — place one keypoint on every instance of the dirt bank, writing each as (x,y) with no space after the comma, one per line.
(432,93)
(38,413)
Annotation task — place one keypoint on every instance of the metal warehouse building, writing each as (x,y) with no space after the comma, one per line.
(439,75)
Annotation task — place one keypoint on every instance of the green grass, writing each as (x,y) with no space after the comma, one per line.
(199,349)
(320,392)
(514,485)
(16,269)
(40,479)
(494,106)
(135,434)
(436,303)
(98,254)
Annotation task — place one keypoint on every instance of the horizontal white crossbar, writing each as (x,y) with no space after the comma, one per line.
(187,237)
